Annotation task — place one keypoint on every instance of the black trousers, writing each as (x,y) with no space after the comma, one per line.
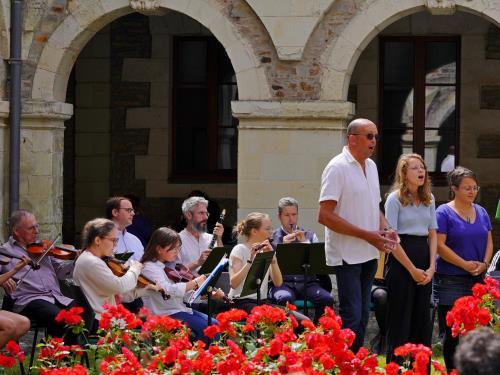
(408,304)
(45,313)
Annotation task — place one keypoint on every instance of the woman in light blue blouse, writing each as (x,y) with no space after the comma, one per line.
(410,210)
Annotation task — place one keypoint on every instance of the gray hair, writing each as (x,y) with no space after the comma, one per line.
(189,204)
(16,218)
(287,202)
(356,125)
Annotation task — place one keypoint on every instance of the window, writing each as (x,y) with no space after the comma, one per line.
(204,130)
(419,92)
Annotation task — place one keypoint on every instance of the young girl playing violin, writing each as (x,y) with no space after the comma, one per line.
(98,282)
(12,325)
(161,253)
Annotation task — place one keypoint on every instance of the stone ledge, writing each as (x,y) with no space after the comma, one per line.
(40,110)
(292,115)
(47,110)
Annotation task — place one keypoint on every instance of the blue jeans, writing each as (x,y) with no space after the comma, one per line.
(354,282)
(197,322)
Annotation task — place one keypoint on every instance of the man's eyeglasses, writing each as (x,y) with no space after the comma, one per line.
(113,239)
(32,228)
(204,213)
(129,210)
(368,136)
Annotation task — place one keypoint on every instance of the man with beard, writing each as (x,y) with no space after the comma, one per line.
(195,239)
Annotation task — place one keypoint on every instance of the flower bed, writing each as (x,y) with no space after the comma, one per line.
(262,342)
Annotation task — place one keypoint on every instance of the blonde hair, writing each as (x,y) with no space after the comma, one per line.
(252,221)
(399,184)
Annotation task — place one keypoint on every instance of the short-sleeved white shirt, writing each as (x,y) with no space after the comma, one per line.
(192,247)
(358,198)
(242,252)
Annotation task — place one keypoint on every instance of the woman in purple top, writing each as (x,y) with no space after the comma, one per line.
(465,247)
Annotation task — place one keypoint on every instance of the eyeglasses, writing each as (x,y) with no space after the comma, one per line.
(203,213)
(368,136)
(32,228)
(471,188)
(113,239)
(129,210)
(177,249)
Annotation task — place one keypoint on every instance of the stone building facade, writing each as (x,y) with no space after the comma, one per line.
(102,86)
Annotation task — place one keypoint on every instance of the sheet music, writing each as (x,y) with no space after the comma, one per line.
(203,287)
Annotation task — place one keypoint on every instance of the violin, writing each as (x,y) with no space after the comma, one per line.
(64,252)
(5,259)
(119,269)
(181,274)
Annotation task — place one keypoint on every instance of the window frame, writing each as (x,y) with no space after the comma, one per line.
(213,174)
(438,178)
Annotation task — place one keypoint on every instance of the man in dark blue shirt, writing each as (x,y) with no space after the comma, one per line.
(294,286)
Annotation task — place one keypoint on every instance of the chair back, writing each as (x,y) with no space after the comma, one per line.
(223,282)
(70,289)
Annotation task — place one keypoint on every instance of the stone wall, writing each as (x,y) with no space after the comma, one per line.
(122,122)
(479,75)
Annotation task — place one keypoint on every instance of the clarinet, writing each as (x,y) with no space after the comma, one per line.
(211,245)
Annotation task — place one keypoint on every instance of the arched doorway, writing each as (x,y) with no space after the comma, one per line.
(125,99)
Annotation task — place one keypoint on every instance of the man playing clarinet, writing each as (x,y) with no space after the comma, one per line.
(195,240)
(294,286)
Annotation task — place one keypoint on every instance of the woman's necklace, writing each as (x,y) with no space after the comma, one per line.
(466,214)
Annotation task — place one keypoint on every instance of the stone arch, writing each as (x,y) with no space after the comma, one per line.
(339,60)
(85,19)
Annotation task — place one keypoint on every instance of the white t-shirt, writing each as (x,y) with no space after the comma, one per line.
(358,198)
(242,252)
(192,247)
(128,242)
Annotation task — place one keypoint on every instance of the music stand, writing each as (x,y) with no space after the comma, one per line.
(256,274)
(213,259)
(308,258)
(206,286)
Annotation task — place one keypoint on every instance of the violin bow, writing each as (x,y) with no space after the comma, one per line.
(36,265)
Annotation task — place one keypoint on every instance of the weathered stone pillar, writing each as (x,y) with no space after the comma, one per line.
(4,166)
(283,148)
(41,180)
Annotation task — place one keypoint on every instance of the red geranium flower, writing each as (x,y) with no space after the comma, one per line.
(71,317)
(211,331)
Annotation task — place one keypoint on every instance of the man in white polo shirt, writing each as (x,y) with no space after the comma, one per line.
(354,233)
(195,239)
